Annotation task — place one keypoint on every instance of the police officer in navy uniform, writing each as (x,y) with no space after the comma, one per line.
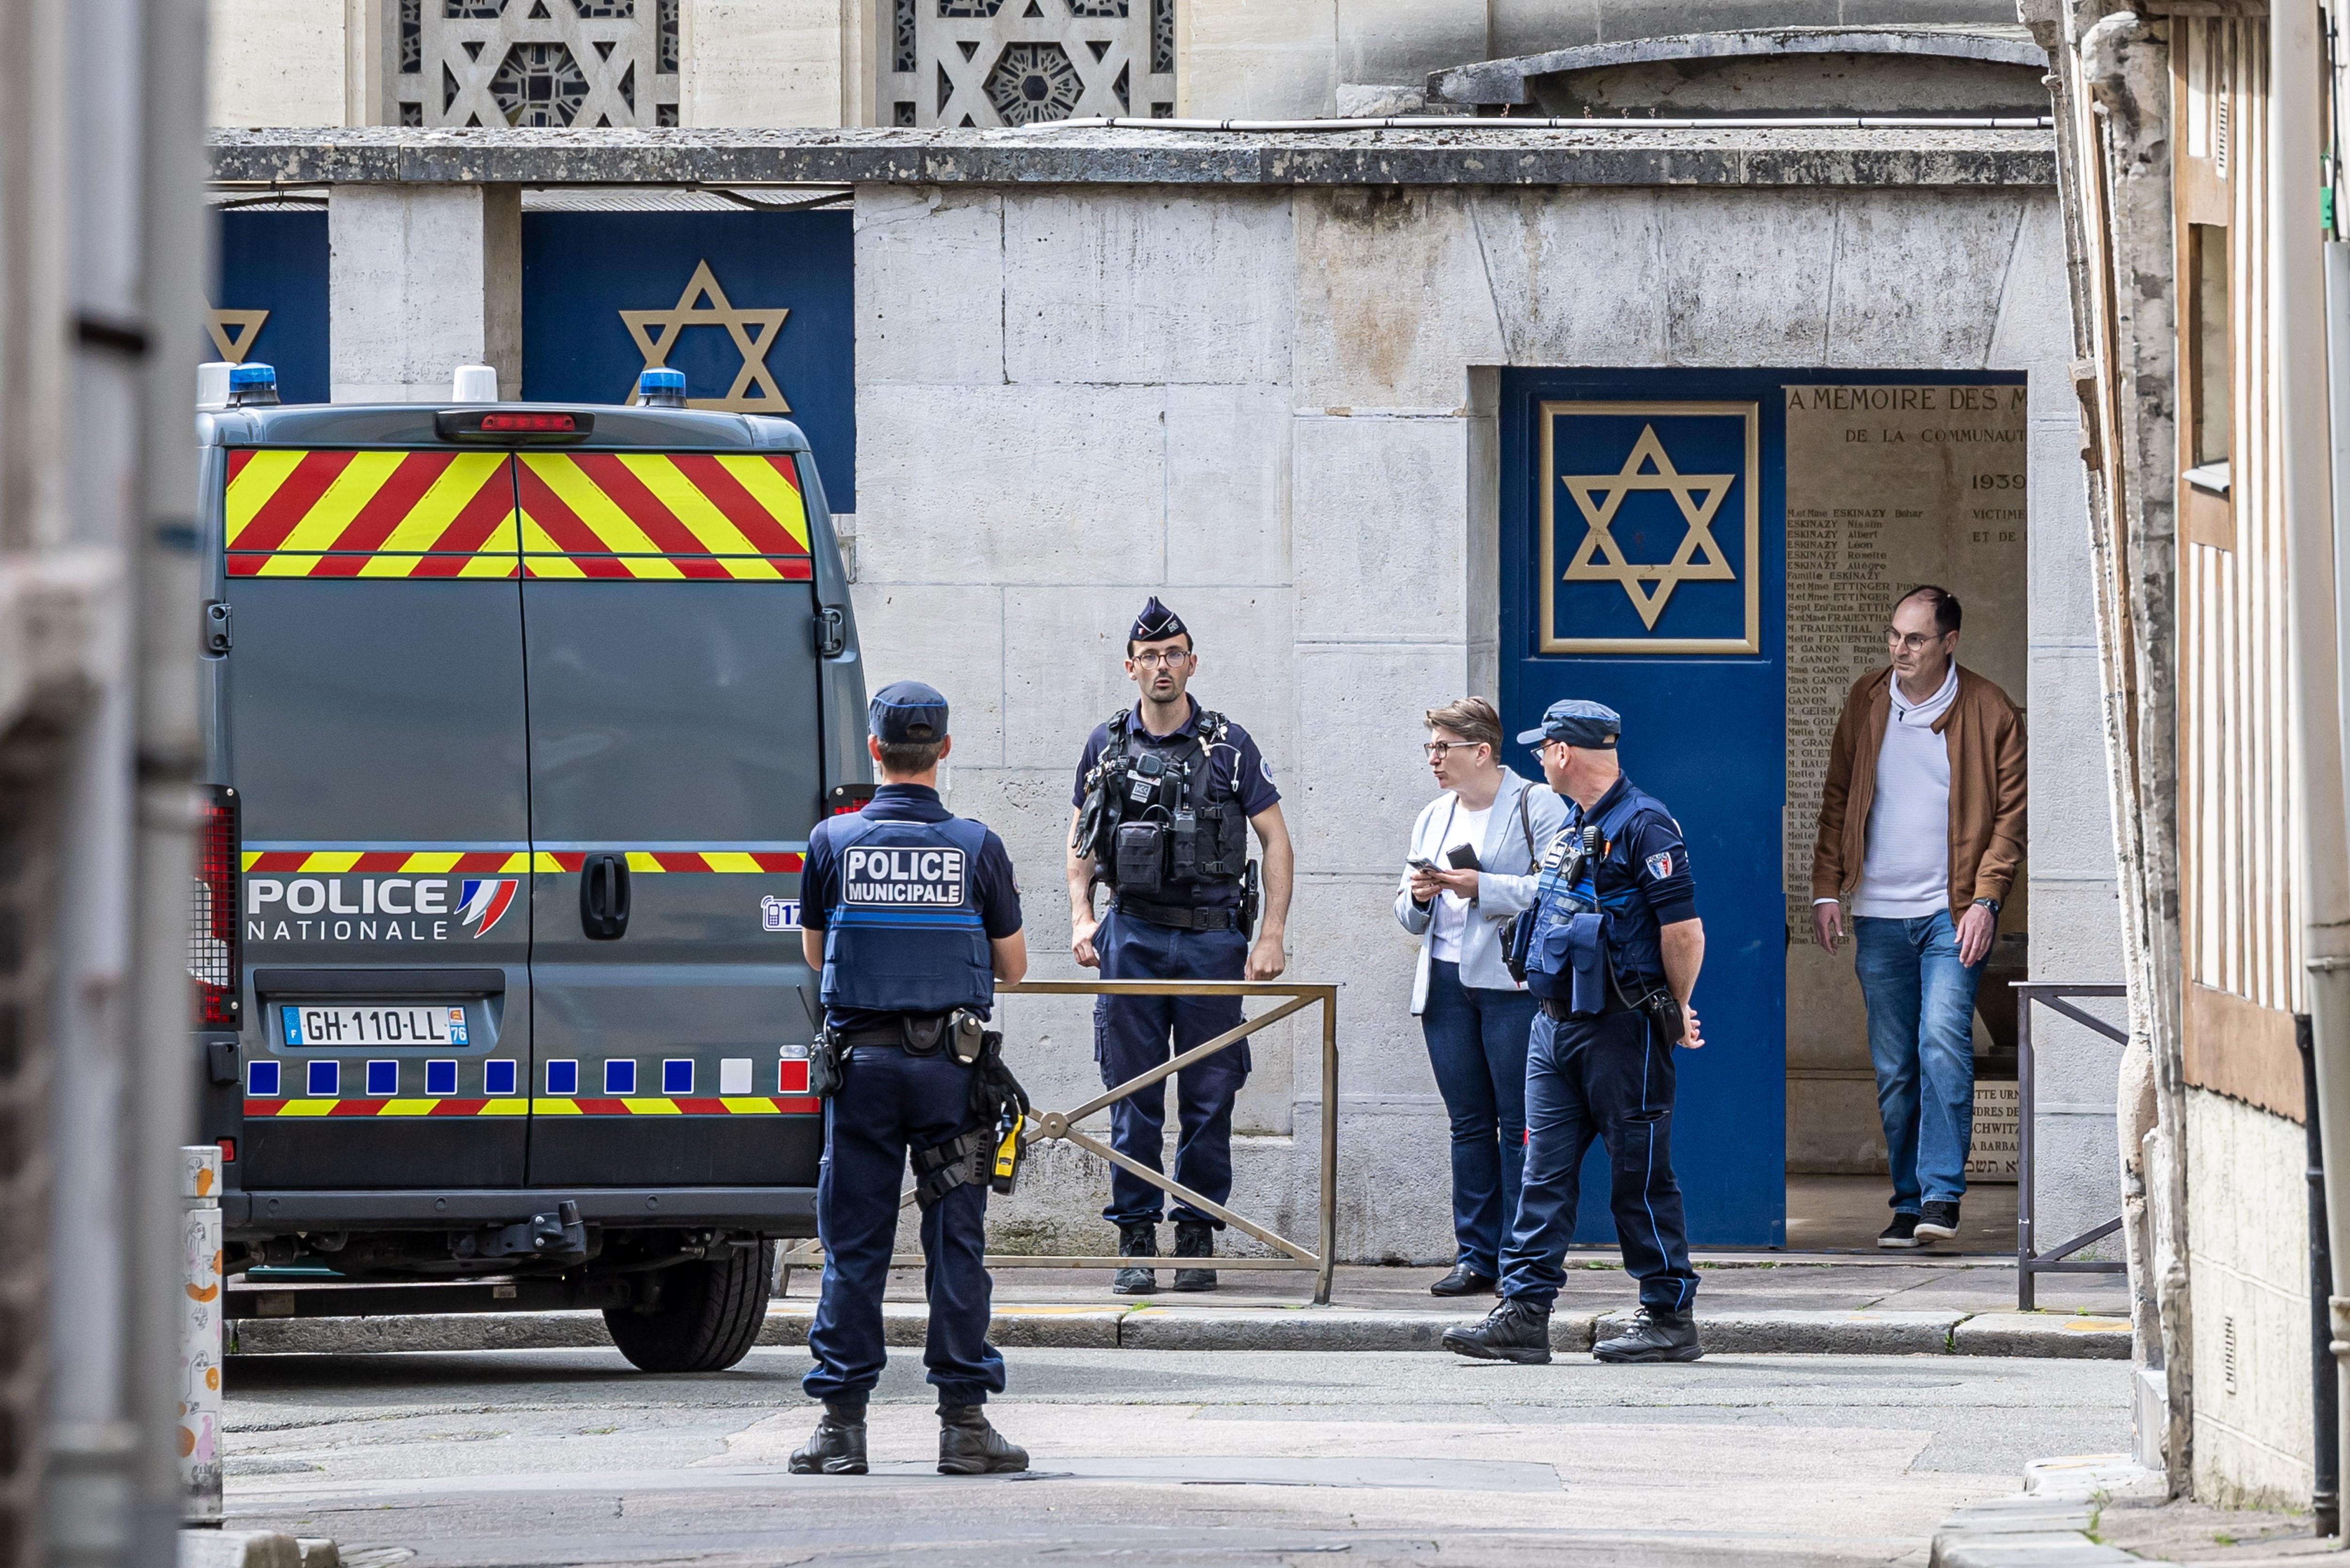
(1612,948)
(912,915)
(1167,793)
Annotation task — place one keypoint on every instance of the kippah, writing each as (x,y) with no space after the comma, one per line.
(1156,623)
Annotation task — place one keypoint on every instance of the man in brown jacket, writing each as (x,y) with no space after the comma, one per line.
(1922,826)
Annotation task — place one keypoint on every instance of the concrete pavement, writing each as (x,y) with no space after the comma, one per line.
(1156,1457)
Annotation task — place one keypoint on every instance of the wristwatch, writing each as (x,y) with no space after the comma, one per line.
(1991,904)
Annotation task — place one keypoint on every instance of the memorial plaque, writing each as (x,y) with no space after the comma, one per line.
(1888,487)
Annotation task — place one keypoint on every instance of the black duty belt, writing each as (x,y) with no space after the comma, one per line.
(1183,916)
(1556,1011)
(913,1032)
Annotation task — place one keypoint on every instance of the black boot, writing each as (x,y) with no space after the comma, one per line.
(1138,1241)
(1195,1238)
(1463,1281)
(1656,1335)
(968,1446)
(838,1448)
(1517,1329)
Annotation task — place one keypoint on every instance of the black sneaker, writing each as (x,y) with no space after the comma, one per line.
(1939,1222)
(838,1446)
(968,1446)
(1902,1232)
(1464,1281)
(1518,1330)
(1195,1238)
(1655,1335)
(1138,1241)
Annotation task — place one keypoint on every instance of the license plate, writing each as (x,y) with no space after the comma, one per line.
(318,1025)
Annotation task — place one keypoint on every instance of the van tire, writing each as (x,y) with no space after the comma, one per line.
(709,1317)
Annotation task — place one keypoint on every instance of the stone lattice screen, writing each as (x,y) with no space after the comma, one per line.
(532,62)
(1021,62)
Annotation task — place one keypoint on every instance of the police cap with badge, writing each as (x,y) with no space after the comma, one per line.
(1147,820)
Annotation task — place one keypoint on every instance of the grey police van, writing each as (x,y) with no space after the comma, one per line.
(517,717)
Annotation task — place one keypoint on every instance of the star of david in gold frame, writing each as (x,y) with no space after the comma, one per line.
(1700,557)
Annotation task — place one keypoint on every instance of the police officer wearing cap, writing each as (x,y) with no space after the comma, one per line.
(1167,793)
(912,914)
(1612,949)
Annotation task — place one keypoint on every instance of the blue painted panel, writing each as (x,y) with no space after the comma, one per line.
(581,271)
(276,262)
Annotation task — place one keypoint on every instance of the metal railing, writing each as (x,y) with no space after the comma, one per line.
(2030,1264)
(1062,1126)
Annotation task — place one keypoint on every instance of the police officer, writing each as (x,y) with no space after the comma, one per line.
(912,915)
(1166,794)
(1612,949)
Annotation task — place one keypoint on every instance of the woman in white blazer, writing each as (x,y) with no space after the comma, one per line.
(1470,867)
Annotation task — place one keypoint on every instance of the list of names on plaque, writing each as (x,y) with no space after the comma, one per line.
(1888,487)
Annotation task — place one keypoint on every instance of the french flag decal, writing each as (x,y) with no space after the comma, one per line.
(482,902)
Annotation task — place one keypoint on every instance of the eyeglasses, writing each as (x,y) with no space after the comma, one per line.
(1436,749)
(1168,658)
(1916,642)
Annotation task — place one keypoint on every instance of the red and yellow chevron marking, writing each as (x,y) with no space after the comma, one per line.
(682,1106)
(329,862)
(332,862)
(669,516)
(370,514)
(512,1105)
(746,1106)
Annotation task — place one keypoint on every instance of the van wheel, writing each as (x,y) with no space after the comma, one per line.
(709,1315)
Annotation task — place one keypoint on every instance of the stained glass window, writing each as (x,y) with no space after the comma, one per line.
(539,85)
(412,37)
(533,62)
(1025,62)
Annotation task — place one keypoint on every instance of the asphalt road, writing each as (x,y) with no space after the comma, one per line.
(1142,1457)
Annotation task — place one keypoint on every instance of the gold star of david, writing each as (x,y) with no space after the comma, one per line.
(1698,495)
(246,326)
(753,332)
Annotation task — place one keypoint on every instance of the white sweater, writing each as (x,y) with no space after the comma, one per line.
(1905,872)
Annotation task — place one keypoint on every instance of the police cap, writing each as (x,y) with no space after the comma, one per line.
(1156,623)
(907,713)
(1578,723)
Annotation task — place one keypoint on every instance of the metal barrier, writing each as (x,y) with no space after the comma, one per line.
(1045,1126)
(2029,1264)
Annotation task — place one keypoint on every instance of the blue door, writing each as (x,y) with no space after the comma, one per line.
(1642,520)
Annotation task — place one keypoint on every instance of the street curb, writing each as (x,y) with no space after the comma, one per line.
(2050,1524)
(1146,1325)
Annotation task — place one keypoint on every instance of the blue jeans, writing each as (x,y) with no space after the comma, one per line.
(1477,1043)
(1921,1013)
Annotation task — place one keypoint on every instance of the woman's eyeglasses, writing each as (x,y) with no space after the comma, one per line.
(1437,749)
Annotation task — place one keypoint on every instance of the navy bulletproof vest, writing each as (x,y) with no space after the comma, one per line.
(903,934)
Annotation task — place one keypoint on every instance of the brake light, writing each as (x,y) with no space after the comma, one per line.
(211,923)
(534,424)
(843,799)
(511,427)
(228,1150)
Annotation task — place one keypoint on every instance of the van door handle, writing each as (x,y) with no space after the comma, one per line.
(603,896)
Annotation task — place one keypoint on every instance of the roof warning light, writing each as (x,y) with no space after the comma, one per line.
(660,389)
(252,386)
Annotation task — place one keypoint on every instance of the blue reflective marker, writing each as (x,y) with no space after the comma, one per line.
(562,1079)
(498,1077)
(382,1078)
(261,1080)
(326,1077)
(677,1075)
(620,1076)
(440,1079)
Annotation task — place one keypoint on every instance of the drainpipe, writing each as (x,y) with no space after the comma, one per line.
(2308,288)
(2324,1373)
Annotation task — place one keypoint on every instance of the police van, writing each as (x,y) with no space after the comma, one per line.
(517,717)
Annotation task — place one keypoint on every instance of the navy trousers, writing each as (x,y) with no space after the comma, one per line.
(891,1101)
(1132,1034)
(1611,1078)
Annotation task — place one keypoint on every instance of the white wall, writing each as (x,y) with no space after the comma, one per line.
(278,62)
(764,62)
(1259,405)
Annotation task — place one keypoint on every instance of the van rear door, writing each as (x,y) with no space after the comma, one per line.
(374,697)
(676,748)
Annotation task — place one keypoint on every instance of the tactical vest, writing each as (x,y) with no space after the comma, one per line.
(903,934)
(1147,822)
(1569,946)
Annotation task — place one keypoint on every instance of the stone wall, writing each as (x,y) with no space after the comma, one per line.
(2248,1258)
(1273,410)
